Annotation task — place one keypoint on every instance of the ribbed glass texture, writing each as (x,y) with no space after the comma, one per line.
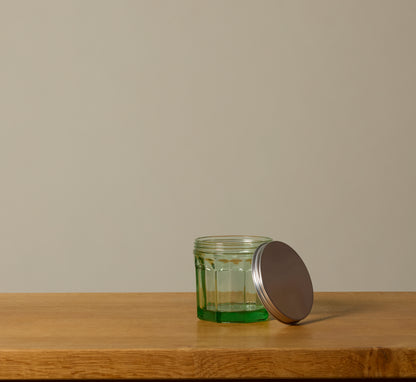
(225,289)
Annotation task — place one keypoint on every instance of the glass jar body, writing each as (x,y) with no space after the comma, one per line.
(224,284)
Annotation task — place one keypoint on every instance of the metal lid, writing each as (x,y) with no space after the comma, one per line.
(282,282)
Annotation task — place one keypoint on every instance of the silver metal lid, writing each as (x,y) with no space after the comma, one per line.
(282,282)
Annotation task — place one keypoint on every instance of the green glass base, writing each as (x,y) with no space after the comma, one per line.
(240,316)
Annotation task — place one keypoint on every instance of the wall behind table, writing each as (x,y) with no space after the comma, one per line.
(128,128)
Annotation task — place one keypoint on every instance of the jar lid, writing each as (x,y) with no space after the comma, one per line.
(282,282)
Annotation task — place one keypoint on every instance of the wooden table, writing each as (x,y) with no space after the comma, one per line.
(157,336)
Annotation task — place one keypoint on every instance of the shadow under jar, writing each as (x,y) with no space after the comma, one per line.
(224,284)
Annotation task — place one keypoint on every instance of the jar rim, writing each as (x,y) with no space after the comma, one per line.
(230,243)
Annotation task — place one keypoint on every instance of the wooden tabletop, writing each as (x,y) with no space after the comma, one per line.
(157,335)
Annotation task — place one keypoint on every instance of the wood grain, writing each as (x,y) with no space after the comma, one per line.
(157,335)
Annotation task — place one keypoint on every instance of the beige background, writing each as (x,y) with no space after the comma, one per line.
(128,128)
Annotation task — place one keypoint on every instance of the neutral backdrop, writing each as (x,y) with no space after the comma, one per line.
(128,128)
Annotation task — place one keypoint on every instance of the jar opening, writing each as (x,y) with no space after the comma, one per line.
(230,243)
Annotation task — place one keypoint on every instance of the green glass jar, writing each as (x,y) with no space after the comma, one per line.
(224,284)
